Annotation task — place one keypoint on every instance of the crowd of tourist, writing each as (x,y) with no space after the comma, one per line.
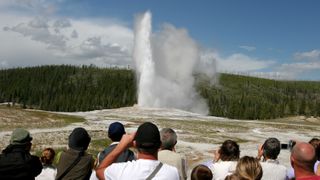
(150,154)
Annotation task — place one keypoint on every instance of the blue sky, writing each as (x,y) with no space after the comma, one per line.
(270,38)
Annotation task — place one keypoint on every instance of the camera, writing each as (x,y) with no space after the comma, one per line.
(289,146)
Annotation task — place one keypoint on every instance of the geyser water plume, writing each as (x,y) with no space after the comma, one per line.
(142,56)
(165,64)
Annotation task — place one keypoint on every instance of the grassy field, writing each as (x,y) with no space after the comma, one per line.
(14,117)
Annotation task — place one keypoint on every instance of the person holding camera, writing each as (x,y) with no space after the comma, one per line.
(147,166)
(268,153)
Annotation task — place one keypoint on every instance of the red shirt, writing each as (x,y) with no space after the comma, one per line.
(309,178)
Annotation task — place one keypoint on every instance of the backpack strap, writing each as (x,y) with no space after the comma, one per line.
(71,166)
(155,171)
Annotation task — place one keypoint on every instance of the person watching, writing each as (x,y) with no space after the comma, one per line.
(303,158)
(271,167)
(115,133)
(16,162)
(226,157)
(167,152)
(147,141)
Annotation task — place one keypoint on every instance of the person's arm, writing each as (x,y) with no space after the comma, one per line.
(36,165)
(126,141)
(216,155)
(318,170)
(260,152)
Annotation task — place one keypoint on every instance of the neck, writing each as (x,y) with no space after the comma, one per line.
(167,149)
(300,173)
(147,156)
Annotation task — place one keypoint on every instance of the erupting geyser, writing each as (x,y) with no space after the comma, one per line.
(165,64)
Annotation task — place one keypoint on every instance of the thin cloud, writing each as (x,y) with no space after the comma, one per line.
(313,55)
(242,63)
(295,70)
(248,48)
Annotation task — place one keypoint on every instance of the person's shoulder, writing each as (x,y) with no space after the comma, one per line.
(273,166)
(224,163)
(309,178)
(115,167)
(169,167)
(167,153)
(35,160)
(171,171)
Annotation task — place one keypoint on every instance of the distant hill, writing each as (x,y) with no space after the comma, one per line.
(243,97)
(68,88)
(73,88)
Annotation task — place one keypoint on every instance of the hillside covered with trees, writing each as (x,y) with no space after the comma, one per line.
(68,88)
(243,97)
(73,88)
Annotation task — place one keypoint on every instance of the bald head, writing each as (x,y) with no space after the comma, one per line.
(303,156)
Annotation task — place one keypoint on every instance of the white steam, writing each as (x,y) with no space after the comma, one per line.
(165,63)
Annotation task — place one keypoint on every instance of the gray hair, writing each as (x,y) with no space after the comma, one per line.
(168,138)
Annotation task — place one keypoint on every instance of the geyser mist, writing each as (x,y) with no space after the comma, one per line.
(165,63)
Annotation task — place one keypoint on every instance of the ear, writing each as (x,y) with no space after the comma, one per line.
(134,143)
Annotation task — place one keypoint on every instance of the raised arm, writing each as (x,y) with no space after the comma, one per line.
(125,142)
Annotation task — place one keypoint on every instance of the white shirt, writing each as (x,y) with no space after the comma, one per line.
(140,170)
(273,170)
(47,173)
(221,169)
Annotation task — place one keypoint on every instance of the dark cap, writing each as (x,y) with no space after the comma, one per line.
(148,136)
(20,137)
(79,139)
(115,131)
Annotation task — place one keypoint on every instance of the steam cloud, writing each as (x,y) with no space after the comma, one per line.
(165,63)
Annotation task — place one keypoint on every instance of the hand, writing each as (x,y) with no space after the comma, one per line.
(216,155)
(127,140)
(260,152)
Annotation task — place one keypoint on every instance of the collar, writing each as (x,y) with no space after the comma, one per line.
(113,143)
(274,161)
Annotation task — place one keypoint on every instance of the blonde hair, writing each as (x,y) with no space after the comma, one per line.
(47,156)
(249,168)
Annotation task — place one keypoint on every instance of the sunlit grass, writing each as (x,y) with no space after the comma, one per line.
(15,117)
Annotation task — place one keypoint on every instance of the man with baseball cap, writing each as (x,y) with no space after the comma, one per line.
(115,133)
(147,141)
(16,162)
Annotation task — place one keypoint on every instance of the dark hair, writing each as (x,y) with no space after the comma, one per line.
(271,148)
(229,151)
(315,142)
(79,139)
(47,156)
(168,138)
(151,151)
(201,172)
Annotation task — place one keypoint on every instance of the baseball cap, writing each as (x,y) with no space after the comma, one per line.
(148,136)
(115,131)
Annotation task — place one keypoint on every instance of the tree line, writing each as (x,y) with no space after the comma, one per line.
(83,88)
(243,97)
(68,88)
